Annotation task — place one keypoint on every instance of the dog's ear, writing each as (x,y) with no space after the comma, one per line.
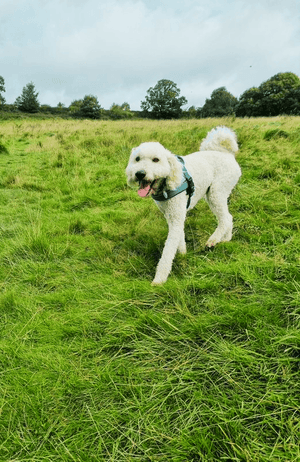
(174,178)
(133,150)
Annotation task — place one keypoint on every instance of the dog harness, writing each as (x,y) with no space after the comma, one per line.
(187,185)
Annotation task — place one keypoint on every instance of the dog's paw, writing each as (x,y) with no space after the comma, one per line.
(157,283)
(210,244)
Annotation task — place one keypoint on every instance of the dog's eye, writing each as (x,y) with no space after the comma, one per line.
(138,158)
(155,159)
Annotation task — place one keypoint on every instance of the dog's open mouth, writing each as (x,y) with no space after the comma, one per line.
(147,187)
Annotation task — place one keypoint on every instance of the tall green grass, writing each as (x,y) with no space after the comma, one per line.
(97,365)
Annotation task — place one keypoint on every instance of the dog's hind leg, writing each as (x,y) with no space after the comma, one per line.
(217,202)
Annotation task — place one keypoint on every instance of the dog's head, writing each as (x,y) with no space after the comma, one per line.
(149,164)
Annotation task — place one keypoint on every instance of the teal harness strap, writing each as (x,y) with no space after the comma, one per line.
(187,185)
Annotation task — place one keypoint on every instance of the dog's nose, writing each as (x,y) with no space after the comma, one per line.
(140,174)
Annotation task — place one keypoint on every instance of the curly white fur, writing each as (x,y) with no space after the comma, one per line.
(214,171)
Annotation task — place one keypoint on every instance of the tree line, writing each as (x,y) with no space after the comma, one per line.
(277,96)
(87,107)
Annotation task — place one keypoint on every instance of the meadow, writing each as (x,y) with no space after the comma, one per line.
(98,365)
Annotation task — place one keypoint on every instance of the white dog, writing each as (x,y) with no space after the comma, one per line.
(177,184)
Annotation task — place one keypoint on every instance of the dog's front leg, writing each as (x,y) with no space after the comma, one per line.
(182,245)
(174,240)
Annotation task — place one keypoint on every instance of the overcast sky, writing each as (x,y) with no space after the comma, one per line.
(118,49)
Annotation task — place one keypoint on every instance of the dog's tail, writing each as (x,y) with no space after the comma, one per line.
(220,139)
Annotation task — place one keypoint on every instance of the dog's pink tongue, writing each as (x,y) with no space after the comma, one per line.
(143,192)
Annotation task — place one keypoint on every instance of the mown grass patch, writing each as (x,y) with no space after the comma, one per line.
(97,365)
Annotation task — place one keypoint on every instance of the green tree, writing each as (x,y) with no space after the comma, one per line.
(88,107)
(125,106)
(28,101)
(163,101)
(2,89)
(191,112)
(75,106)
(221,103)
(292,102)
(249,103)
(122,111)
(60,109)
(278,95)
(115,107)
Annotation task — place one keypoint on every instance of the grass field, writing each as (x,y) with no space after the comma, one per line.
(97,365)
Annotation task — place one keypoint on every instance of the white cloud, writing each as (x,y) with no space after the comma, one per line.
(117,49)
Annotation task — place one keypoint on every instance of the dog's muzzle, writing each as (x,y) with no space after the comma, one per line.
(140,175)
